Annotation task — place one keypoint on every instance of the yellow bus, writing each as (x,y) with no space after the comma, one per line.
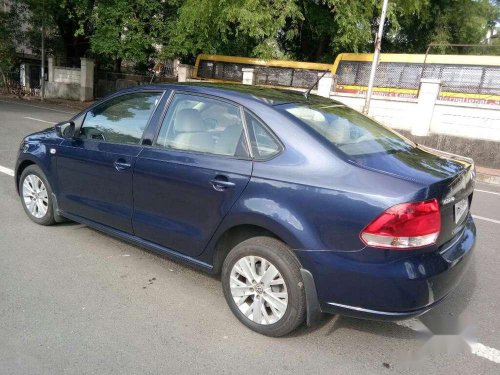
(464,78)
(285,73)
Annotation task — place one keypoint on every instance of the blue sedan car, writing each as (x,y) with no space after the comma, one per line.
(302,204)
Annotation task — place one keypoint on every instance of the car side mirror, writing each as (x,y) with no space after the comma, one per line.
(65,129)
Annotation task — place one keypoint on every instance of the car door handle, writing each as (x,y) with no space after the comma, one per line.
(221,184)
(121,165)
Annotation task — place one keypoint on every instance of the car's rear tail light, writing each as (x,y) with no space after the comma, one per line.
(405,226)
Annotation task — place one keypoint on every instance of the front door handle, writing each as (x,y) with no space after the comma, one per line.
(221,183)
(121,165)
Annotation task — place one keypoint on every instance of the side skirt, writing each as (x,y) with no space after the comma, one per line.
(140,242)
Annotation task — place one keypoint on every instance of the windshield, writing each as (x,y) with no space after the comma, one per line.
(350,131)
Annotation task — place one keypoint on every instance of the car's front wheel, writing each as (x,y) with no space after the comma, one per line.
(36,196)
(263,286)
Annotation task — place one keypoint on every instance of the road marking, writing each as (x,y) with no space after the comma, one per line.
(8,171)
(486,191)
(484,351)
(37,106)
(486,219)
(37,119)
(476,348)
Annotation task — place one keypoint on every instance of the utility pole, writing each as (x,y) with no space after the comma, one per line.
(376,54)
(43,51)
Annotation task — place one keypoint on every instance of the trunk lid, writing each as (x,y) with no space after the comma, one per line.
(448,177)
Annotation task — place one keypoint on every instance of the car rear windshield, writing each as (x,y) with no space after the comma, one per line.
(350,131)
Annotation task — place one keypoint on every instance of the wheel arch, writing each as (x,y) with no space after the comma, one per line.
(240,232)
(39,157)
(21,167)
(229,237)
(27,162)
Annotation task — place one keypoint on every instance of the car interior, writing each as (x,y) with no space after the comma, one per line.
(204,126)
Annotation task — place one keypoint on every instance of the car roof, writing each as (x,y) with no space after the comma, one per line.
(241,93)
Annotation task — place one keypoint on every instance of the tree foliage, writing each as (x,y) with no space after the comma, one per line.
(61,20)
(445,22)
(130,30)
(247,27)
(311,30)
(319,29)
(7,41)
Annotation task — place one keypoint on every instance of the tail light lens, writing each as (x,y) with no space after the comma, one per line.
(405,226)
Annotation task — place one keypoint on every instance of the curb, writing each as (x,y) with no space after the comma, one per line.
(488,178)
(58,103)
(488,175)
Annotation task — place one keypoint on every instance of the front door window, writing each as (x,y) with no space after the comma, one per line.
(121,119)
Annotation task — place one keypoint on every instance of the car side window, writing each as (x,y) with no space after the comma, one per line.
(121,119)
(264,144)
(202,124)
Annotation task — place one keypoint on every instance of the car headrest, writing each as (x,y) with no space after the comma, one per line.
(189,120)
(340,130)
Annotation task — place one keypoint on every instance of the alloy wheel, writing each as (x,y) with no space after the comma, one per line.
(259,290)
(35,196)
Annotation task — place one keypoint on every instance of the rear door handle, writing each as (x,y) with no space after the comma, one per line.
(221,183)
(121,165)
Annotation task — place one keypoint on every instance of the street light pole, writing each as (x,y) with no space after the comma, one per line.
(376,54)
(43,52)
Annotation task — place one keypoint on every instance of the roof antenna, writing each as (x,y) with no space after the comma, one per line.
(308,91)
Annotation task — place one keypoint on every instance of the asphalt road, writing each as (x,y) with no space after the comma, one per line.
(73,300)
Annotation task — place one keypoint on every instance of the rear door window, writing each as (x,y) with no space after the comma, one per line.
(264,144)
(203,124)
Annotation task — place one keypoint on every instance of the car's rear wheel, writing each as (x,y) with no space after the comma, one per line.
(36,196)
(263,286)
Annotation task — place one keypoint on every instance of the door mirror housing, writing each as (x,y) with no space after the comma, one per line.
(65,129)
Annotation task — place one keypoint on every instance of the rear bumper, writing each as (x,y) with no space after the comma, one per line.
(357,285)
(360,312)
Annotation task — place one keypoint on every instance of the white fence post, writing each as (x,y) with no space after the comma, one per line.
(248,76)
(51,68)
(184,72)
(24,75)
(86,79)
(325,84)
(427,96)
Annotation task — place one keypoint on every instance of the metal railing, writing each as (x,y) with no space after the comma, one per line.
(267,72)
(454,78)
(106,82)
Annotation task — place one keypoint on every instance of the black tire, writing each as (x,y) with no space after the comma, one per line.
(48,218)
(288,266)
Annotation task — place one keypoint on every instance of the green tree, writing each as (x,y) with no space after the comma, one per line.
(317,30)
(305,29)
(245,27)
(130,30)
(334,26)
(62,19)
(9,37)
(445,22)
(312,30)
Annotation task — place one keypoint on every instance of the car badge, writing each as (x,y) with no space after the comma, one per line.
(448,200)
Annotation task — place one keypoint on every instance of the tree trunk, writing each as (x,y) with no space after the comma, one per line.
(117,68)
(4,80)
(320,50)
